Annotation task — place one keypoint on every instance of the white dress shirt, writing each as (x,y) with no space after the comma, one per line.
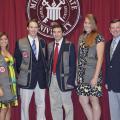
(59,46)
(116,42)
(36,43)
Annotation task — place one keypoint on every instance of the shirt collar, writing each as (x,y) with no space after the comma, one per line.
(117,39)
(31,39)
(60,41)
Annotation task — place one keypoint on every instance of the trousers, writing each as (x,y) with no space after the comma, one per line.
(114,104)
(26,95)
(59,99)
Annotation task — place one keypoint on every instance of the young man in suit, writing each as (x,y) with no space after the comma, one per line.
(62,71)
(30,56)
(112,55)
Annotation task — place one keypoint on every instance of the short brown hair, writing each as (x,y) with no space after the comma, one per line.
(115,21)
(32,20)
(57,25)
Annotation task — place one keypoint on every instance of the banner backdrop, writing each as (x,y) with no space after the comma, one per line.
(65,12)
(13,19)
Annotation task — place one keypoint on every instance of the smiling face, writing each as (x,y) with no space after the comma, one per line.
(115,29)
(3,41)
(87,25)
(90,23)
(57,33)
(32,29)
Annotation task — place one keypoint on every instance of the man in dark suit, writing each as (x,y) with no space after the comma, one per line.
(30,56)
(62,71)
(112,55)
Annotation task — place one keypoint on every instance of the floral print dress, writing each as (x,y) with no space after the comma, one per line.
(12,80)
(86,66)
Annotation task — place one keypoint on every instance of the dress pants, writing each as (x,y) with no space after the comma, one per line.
(26,95)
(59,99)
(114,103)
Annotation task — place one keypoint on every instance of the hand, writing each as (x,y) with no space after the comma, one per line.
(106,86)
(77,82)
(93,82)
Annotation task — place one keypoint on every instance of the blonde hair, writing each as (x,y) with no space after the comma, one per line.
(90,39)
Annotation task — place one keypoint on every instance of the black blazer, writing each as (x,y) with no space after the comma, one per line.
(112,72)
(39,67)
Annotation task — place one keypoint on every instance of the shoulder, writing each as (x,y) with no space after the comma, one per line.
(99,38)
(81,36)
(1,57)
(42,42)
(21,41)
(23,38)
(108,43)
(50,45)
(68,45)
(68,42)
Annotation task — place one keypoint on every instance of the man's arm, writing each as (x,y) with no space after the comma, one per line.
(18,57)
(72,65)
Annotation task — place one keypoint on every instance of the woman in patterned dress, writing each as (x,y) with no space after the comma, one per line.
(7,80)
(89,75)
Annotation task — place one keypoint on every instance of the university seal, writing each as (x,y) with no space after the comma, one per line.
(65,12)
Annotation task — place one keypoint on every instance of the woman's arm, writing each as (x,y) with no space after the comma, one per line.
(100,54)
(1,91)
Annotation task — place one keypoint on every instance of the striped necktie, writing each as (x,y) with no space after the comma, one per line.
(34,48)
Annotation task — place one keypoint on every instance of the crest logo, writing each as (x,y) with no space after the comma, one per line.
(2,69)
(65,12)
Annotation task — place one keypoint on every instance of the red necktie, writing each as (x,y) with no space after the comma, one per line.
(55,58)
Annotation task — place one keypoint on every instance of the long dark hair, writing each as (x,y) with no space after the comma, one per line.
(4,34)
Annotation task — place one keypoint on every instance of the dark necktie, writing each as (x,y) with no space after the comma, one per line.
(34,48)
(55,58)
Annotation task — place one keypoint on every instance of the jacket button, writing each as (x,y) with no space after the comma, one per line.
(110,66)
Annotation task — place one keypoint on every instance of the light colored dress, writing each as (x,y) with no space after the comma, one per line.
(8,83)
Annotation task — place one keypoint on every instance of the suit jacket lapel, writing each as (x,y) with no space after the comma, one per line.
(33,55)
(51,50)
(39,48)
(61,51)
(109,45)
(116,50)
